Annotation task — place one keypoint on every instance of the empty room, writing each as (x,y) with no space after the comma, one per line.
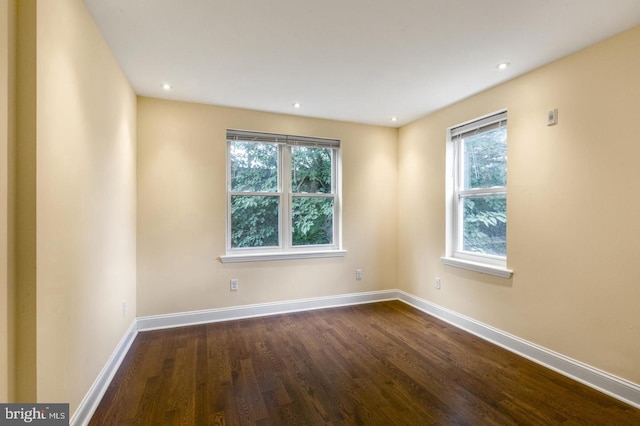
(338,212)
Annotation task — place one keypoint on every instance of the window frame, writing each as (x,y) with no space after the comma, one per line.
(455,254)
(286,248)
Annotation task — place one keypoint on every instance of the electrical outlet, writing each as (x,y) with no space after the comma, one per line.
(233,284)
(552,117)
(358,274)
(436,282)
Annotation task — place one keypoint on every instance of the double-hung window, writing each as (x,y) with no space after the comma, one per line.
(477,205)
(283,196)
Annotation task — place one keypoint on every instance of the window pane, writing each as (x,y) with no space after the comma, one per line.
(485,159)
(254,167)
(312,220)
(485,224)
(311,170)
(254,221)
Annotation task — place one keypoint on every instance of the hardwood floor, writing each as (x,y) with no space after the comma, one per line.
(375,364)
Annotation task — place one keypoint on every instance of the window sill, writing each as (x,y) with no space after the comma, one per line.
(478,267)
(261,257)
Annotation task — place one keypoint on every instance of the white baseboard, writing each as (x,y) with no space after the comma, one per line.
(262,309)
(92,399)
(602,381)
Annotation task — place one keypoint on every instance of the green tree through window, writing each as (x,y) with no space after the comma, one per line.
(272,206)
(255,202)
(312,215)
(485,213)
(479,214)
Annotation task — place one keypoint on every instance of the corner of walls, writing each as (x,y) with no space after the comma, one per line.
(52,351)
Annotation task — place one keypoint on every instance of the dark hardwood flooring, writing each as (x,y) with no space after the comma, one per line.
(375,364)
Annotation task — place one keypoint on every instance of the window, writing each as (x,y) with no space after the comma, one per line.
(477,207)
(283,196)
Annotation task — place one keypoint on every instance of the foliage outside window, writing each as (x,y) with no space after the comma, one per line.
(479,196)
(282,193)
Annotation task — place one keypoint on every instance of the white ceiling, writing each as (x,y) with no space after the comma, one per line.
(354,60)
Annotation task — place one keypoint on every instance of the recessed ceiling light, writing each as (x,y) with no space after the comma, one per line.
(296,104)
(394,118)
(166,86)
(503,65)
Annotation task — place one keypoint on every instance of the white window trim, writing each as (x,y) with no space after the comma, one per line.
(262,257)
(286,251)
(487,264)
(484,268)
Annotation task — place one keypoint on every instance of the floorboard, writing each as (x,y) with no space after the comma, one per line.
(374,364)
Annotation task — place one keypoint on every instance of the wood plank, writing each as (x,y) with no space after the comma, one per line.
(382,363)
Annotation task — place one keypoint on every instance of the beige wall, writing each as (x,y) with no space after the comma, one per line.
(75,167)
(181,211)
(25,203)
(573,211)
(85,201)
(7,149)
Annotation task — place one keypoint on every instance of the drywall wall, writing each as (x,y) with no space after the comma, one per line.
(572,209)
(85,202)
(7,180)
(182,211)
(25,202)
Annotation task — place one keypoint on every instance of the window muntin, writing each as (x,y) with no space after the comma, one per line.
(479,213)
(282,193)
